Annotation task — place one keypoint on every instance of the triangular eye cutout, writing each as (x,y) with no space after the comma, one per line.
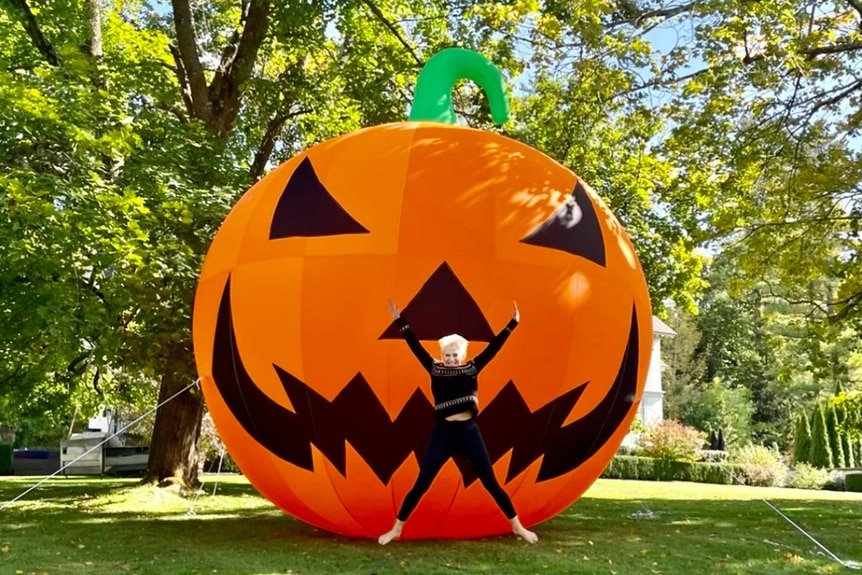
(307,209)
(441,307)
(574,228)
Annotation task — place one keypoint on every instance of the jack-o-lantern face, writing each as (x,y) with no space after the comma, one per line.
(316,396)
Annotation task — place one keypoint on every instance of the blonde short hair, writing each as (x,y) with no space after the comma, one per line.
(453,340)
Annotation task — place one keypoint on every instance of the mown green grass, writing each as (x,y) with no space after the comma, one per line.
(80,526)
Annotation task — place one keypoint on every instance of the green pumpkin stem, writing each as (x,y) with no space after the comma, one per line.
(433,99)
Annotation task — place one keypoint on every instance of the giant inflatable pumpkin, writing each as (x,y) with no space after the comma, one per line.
(317,397)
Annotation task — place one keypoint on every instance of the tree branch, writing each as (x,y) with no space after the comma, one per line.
(634,15)
(394,29)
(187,59)
(73,365)
(182,78)
(849,303)
(857,5)
(833,49)
(810,53)
(834,99)
(267,143)
(237,63)
(28,21)
(95,7)
(660,82)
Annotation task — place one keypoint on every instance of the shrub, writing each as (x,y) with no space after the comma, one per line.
(835,443)
(821,452)
(759,466)
(713,456)
(651,469)
(720,407)
(853,482)
(805,476)
(849,452)
(625,467)
(850,405)
(802,439)
(835,482)
(211,449)
(672,440)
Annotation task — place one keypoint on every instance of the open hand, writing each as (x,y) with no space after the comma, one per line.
(517,314)
(393,309)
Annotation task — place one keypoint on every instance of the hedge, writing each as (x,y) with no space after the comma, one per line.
(853,482)
(6,459)
(650,469)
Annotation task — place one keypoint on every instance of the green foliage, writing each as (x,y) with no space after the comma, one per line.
(212,451)
(849,451)
(638,427)
(685,375)
(714,455)
(717,407)
(6,458)
(805,476)
(802,439)
(850,407)
(821,452)
(759,465)
(836,445)
(672,440)
(652,469)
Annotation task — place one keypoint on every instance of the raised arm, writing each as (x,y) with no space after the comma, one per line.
(412,341)
(486,355)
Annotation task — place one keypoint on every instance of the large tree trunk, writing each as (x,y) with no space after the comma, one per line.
(173,450)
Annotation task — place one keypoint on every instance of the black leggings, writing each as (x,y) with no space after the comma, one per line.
(447,439)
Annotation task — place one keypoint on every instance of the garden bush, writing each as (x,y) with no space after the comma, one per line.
(759,466)
(672,440)
(714,456)
(652,469)
(805,476)
(853,481)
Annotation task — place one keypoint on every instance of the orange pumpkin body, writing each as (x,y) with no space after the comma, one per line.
(322,405)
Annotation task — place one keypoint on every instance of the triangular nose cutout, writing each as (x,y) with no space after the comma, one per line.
(441,307)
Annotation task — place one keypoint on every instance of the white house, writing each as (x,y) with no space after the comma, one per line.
(651,407)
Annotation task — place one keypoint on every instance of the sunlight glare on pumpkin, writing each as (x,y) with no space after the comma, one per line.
(627,250)
(578,289)
(542,202)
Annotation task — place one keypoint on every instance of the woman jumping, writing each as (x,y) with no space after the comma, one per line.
(454,386)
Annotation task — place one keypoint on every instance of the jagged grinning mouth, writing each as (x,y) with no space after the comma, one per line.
(357,416)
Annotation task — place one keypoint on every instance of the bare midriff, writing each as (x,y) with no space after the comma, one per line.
(462,416)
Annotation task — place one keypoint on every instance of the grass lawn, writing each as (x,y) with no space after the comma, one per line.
(79,526)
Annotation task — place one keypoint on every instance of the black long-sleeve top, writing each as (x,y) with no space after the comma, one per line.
(455,388)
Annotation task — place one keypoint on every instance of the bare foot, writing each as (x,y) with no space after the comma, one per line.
(521,531)
(526,534)
(389,536)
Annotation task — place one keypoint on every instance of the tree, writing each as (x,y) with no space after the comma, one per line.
(718,407)
(766,119)
(836,445)
(108,223)
(821,451)
(127,153)
(685,376)
(802,439)
(850,404)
